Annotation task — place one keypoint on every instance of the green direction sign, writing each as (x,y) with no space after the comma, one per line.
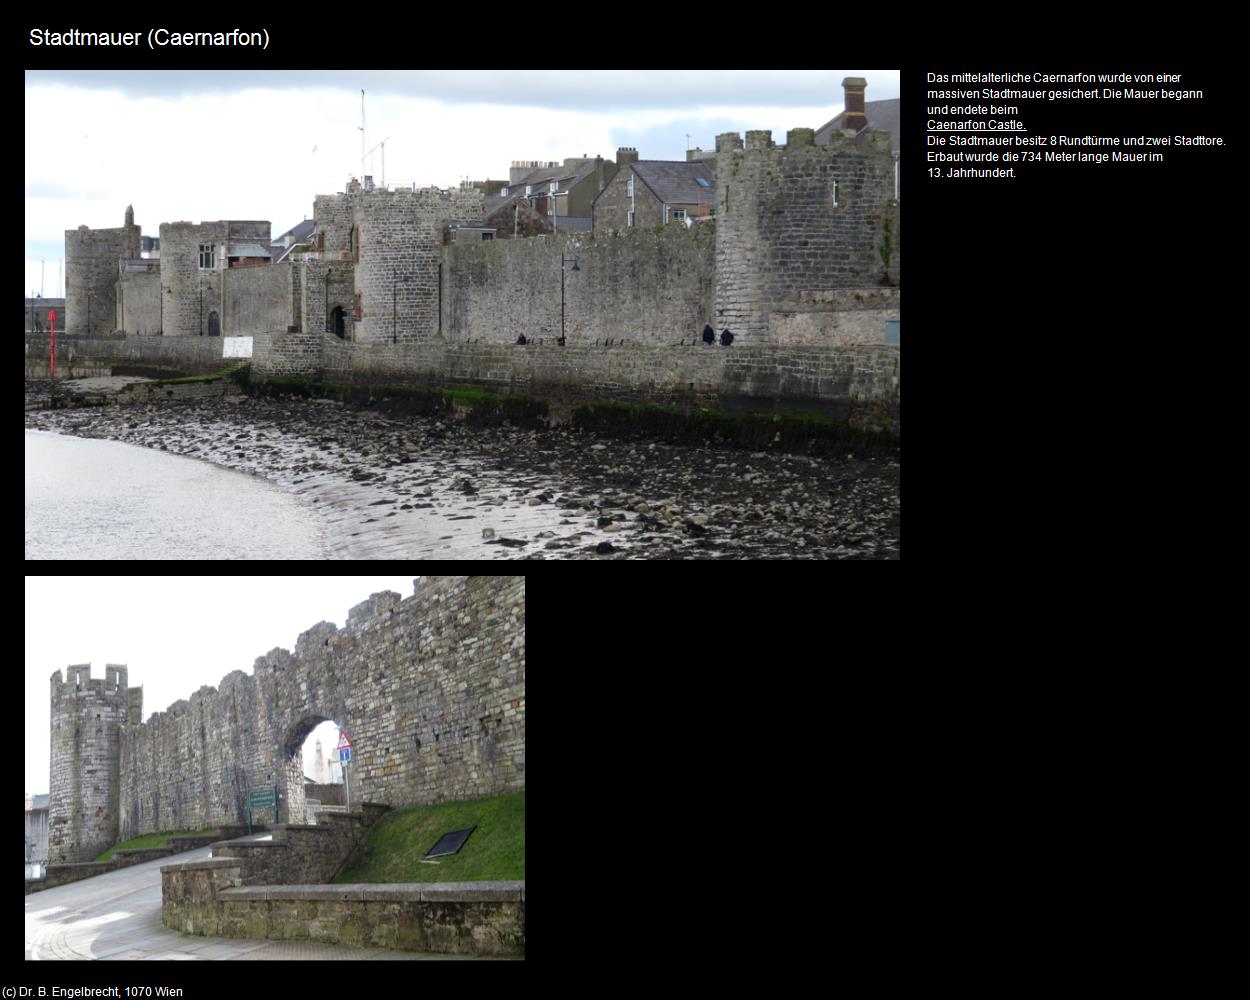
(262,798)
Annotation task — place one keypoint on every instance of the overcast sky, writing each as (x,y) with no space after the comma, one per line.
(201,146)
(175,634)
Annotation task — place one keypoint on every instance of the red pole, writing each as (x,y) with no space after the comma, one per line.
(52,330)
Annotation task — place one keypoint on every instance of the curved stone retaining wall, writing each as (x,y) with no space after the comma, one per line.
(458,918)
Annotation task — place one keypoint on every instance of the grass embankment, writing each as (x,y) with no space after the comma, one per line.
(395,845)
(153,840)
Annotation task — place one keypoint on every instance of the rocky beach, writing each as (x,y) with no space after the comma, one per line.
(434,487)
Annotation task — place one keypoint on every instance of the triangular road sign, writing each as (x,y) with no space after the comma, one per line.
(343,741)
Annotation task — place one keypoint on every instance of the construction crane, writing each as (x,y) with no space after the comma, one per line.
(381,145)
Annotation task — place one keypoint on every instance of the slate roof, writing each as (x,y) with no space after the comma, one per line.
(673,181)
(301,233)
(565,176)
(573,223)
(492,203)
(881,114)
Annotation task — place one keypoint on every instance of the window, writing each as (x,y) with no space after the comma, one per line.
(629,187)
(504,192)
(488,236)
(631,218)
(206,255)
(702,182)
(552,187)
(835,194)
(529,189)
(679,213)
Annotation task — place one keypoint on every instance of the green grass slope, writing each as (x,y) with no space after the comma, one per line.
(395,845)
(153,840)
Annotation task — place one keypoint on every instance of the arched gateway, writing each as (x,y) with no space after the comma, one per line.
(431,689)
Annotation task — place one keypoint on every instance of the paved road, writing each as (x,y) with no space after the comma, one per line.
(118,915)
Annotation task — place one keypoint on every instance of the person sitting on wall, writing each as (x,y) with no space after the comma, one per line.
(709,335)
(560,341)
(521,339)
(726,338)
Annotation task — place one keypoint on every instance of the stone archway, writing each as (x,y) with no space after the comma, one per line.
(294,807)
(337,317)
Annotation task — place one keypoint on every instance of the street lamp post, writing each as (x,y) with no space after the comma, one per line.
(201,305)
(575,268)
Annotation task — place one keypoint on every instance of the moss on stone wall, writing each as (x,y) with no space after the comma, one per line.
(789,430)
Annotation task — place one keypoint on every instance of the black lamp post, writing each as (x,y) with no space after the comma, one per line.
(201,305)
(575,268)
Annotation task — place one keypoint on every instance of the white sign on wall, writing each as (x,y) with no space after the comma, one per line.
(236,347)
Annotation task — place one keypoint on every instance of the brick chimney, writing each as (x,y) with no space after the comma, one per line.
(626,154)
(854,117)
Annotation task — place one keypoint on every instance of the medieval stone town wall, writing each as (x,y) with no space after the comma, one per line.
(79,357)
(652,285)
(192,293)
(87,719)
(91,257)
(397,276)
(324,285)
(139,302)
(255,299)
(783,229)
(430,688)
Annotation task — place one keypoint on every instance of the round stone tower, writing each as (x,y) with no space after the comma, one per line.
(400,234)
(91,257)
(84,786)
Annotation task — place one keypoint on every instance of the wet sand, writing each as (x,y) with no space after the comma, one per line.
(427,487)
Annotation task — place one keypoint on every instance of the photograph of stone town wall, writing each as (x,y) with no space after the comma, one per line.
(431,687)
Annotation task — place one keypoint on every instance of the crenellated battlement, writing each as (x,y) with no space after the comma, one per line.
(867,142)
(78,683)
(88,716)
(431,688)
(800,219)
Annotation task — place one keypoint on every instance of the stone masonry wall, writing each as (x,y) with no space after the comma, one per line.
(192,292)
(87,719)
(398,270)
(611,208)
(184,284)
(835,316)
(255,299)
(139,302)
(641,286)
(779,231)
(467,918)
(431,690)
(78,356)
(91,257)
(333,213)
(324,285)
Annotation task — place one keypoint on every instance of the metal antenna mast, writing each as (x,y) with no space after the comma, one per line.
(381,145)
(362,134)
